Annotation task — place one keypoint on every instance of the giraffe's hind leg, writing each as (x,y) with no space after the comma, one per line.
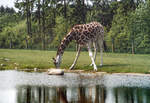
(91,55)
(95,51)
(101,51)
(77,56)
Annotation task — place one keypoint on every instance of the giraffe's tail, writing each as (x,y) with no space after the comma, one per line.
(104,45)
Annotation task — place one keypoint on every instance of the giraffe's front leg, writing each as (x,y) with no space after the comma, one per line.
(77,55)
(91,55)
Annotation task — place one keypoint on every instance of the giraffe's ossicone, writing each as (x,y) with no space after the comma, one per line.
(83,34)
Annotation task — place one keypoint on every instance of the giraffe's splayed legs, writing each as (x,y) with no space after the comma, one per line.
(77,55)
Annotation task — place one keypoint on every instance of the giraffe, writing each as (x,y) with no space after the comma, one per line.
(84,35)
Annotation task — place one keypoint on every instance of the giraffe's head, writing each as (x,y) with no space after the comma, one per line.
(57,61)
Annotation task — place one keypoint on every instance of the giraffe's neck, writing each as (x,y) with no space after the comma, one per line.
(64,44)
(61,48)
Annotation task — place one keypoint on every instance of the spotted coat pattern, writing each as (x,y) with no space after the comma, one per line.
(82,34)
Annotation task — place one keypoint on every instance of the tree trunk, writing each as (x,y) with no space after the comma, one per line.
(10,45)
(26,43)
(65,9)
(84,15)
(39,16)
(133,47)
(112,45)
(27,10)
(31,37)
(28,20)
(43,24)
(65,15)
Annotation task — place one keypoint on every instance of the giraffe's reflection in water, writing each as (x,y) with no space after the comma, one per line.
(94,94)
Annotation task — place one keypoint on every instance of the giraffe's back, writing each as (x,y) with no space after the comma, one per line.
(85,32)
(82,34)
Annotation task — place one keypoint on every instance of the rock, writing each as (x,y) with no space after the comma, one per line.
(3,64)
(16,64)
(6,59)
(55,72)
(16,68)
(35,69)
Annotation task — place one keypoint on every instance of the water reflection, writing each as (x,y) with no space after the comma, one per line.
(22,87)
(95,94)
(8,96)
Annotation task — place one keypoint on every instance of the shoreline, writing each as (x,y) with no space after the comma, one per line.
(83,72)
(93,72)
(79,72)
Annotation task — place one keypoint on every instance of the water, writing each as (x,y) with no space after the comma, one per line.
(23,87)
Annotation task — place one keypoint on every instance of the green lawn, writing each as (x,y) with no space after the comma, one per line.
(113,62)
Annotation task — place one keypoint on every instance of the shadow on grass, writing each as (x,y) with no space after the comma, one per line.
(113,65)
(107,67)
(111,68)
(116,68)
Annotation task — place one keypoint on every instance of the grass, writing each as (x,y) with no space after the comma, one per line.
(113,62)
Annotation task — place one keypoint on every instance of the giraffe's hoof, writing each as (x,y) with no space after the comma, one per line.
(91,64)
(71,68)
(95,69)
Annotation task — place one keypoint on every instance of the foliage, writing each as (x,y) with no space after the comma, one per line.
(42,24)
(139,27)
(60,29)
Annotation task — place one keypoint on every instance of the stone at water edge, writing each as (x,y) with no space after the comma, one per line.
(55,72)
(35,69)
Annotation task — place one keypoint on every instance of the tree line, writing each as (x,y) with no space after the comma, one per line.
(41,24)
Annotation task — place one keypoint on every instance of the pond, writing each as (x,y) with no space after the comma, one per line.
(23,87)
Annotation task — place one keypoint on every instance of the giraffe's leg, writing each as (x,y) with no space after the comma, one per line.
(91,55)
(95,51)
(77,55)
(101,51)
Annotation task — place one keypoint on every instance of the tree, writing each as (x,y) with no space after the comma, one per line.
(139,28)
(78,14)
(59,31)
(118,34)
(26,6)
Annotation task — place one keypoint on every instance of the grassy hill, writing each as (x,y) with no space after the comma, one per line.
(113,62)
